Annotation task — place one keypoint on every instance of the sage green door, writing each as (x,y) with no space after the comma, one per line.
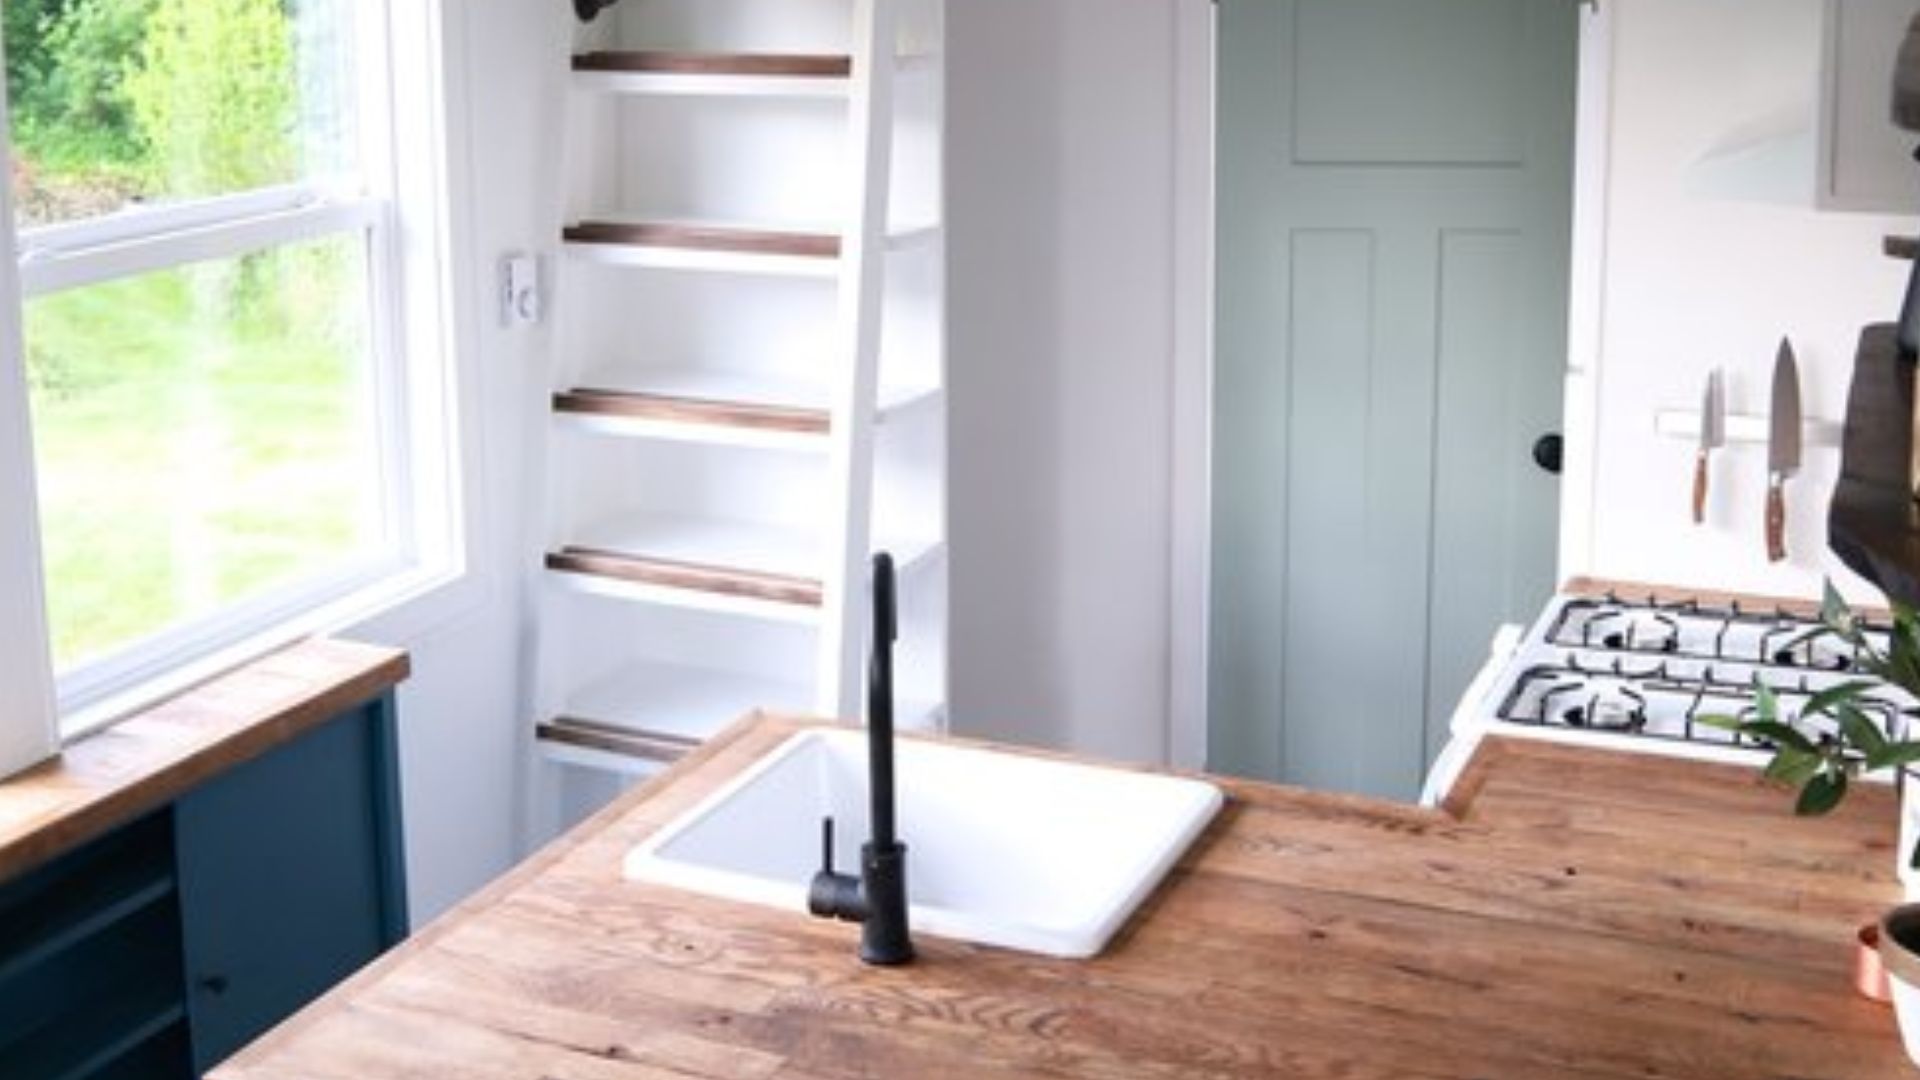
(1394,213)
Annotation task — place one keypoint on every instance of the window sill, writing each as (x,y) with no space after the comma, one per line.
(100,782)
(389,610)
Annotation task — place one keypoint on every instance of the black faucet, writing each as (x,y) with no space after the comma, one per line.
(877,898)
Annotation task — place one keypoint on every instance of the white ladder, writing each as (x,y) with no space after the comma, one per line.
(714,505)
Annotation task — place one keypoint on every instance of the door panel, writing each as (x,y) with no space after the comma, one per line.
(1394,206)
(1386,82)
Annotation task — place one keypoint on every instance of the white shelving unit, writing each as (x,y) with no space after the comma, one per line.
(748,394)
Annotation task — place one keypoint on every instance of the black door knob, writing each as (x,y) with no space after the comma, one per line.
(1549,452)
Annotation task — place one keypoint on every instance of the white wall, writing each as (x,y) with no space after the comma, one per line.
(1692,281)
(464,745)
(1060,204)
(1062,143)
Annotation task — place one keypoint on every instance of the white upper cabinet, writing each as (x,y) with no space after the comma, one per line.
(1821,133)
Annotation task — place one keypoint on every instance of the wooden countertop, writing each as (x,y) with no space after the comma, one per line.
(116,774)
(1586,914)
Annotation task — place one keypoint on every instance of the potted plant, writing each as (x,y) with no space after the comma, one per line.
(1820,768)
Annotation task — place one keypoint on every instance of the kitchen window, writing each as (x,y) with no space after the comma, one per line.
(233,426)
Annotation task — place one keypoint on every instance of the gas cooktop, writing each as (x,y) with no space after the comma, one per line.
(1639,673)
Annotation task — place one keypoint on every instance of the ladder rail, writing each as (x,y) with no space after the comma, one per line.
(862,285)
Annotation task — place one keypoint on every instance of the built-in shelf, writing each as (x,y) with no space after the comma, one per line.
(713,406)
(687,245)
(676,702)
(726,566)
(784,396)
(704,74)
(657,712)
(646,569)
(661,61)
(113,1030)
(92,905)
(589,738)
(690,236)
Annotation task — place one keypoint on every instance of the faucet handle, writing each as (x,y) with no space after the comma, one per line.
(831,895)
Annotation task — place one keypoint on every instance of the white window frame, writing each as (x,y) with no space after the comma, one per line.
(403,215)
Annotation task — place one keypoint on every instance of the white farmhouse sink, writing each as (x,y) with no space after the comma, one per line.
(1046,856)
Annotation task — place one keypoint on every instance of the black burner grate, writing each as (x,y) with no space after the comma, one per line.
(1663,699)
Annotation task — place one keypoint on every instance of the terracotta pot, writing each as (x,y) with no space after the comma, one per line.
(1869,974)
(1900,954)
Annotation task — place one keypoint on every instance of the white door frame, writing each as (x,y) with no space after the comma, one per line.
(1191,391)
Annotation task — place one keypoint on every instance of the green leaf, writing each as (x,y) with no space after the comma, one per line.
(1778,734)
(1765,705)
(1793,768)
(1718,720)
(1895,754)
(1821,794)
(1904,610)
(1860,730)
(1834,610)
(1826,699)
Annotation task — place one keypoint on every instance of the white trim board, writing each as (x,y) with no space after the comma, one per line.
(1586,310)
(1191,397)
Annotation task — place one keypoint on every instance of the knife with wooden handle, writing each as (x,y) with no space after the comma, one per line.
(1783,447)
(1713,435)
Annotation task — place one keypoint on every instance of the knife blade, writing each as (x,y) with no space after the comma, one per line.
(1783,447)
(1713,435)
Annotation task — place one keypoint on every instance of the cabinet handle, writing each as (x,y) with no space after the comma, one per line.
(213,984)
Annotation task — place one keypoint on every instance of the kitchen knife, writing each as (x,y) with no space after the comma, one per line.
(1783,447)
(1713,435)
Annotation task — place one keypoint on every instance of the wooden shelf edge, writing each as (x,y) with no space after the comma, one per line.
(649,746)
(717,238)
(678,574)
(146,760)
(672,62)
(667,408)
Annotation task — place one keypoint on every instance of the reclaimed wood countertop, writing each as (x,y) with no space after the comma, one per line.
(1573,913)
(114,775)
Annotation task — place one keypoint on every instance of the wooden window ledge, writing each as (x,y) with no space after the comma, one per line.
(114,775)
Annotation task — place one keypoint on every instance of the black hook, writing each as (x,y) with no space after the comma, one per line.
(587,9)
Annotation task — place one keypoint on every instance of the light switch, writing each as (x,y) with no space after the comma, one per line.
(519,290)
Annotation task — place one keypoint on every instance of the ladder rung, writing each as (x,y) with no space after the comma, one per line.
(678,574)
(654,61)
(588,401)
(608,738)
(705,238)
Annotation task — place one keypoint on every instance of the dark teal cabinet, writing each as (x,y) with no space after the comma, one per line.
(163,947)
